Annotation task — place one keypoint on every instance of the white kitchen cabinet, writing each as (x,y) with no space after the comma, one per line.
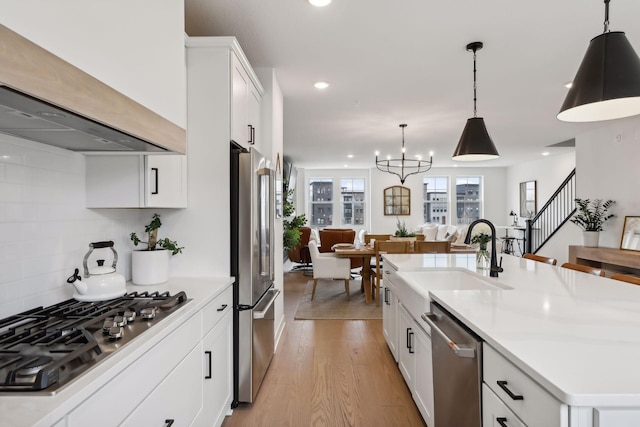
(390,316)
(495,413)
(406,348)
(245,105)
(136,181)
(217,366)
(423,384)
(176,400)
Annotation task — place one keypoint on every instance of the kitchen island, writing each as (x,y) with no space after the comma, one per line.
(149,369)
(574,334)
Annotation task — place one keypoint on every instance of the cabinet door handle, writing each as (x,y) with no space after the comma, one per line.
(155,173)
(169,422)
(222,307)
(208,376)
(253,135)
(503,386)
(502,421)
(411,342)
(386,296)
(251,141)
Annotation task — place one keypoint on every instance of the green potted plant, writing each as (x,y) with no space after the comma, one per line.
(291,223)
(150,266)
(402,233)
(590,216)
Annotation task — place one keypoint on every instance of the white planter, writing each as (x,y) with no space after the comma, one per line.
(590,238)
(150,267)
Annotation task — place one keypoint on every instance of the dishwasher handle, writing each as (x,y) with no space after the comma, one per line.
(260,314)
(459,351)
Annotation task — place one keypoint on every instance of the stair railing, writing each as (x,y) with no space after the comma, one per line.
(552,216)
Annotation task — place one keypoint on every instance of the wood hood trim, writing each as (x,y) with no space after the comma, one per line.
(28,68)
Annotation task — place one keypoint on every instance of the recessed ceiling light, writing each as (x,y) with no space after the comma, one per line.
(546,153)
(350,156)
(568,85)
(346,166)
(319,3)
(321,85)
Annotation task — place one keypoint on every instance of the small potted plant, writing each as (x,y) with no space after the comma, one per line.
(402,233)
(150,266)
(481,237)
(590,217)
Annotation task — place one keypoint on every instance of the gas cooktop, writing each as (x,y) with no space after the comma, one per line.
(44,349)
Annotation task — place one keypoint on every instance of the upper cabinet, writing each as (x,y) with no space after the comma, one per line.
(150,181)
(222,87)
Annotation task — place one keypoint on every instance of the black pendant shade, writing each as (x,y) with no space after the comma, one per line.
(607,84)
(475,143)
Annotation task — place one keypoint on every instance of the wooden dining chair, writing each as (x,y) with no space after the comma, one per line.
(584,268)
(626,278)
(386,247)
(431,247)
(540,258)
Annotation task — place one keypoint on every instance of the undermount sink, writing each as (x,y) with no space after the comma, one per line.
(450,280)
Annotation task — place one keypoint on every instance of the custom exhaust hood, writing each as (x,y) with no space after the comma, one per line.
(45,99)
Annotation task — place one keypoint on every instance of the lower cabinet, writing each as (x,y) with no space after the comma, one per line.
(423,387)
(177,400)
(495,413)
(390,318)
(406,353)
(217,373)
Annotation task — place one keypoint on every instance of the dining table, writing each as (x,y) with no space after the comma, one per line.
(365,252)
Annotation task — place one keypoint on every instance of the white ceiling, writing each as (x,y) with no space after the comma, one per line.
(404,61)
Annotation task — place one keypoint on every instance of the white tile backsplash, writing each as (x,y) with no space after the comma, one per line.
(45,229)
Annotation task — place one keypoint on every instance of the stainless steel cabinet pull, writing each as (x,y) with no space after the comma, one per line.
(169,423)
(502,421)
(260,314)
(222,307)
(459,351)
(155,173)
(503,386)
(208,376)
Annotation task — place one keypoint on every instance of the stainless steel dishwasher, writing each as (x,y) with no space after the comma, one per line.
(457,370)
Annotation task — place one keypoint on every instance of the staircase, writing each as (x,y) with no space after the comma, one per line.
(552,216)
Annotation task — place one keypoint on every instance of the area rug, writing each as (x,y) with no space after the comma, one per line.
(330,302)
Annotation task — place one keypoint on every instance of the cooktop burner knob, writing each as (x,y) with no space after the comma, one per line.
(108,324)
(116,332)
(120,321)
(148,313)
(130,315)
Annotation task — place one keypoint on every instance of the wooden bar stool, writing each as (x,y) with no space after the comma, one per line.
(626,278)
(540,258)
(584,268)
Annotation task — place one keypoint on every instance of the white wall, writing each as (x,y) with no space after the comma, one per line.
(606,168)
(134,46)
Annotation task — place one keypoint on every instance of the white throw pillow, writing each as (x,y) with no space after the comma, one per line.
(430,232)
(442,232)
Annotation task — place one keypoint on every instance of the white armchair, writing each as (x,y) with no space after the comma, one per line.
(328,266)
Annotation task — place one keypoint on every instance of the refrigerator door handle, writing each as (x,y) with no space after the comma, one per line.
(260,314)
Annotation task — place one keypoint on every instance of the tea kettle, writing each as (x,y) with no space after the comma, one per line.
(98,283)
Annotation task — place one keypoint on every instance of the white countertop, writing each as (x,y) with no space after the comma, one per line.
(576,334)
(45,410)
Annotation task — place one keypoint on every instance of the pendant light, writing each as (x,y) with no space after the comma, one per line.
(403,167)
(607,84)
(475,143)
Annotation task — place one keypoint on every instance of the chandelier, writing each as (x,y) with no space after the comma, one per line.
(403,167)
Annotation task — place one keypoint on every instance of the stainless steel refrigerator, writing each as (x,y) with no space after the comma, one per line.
(252,218)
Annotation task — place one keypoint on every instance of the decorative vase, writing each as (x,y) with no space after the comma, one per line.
(483,257)
(150,267)
(590,239)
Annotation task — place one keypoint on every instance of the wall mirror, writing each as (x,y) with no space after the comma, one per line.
(397,200)
(631,233)
(528,203)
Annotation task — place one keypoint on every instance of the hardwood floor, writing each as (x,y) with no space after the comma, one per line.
(329,373)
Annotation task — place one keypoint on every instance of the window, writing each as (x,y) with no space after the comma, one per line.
(352,191)
(468,199)
(436,199)
(321,201)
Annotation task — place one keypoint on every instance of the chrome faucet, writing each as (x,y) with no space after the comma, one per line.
(495,268)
